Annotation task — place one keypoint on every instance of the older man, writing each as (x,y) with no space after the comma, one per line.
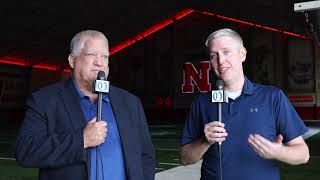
(60,132)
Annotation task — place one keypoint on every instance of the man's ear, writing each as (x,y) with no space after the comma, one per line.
(71,59)
(243,54)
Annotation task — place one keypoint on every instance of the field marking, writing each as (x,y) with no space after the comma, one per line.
(315,157)
(180,172)
(166,149)
(171,164)
(317,120)
(4,158)
(162,133)
(312,131)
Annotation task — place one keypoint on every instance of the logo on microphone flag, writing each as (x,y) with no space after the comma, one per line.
(102,86)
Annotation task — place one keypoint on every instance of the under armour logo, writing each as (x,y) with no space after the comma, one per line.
(254,109)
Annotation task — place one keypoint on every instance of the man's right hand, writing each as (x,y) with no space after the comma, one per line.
(215,132)
(94,133)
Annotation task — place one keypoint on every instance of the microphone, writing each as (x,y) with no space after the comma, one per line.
(219,96)
(101,86)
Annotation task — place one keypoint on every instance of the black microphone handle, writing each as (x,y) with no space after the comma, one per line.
(220,144)
(99,115)
(220,85)
(101,76)
(219,112)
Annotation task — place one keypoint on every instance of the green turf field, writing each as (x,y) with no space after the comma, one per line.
(166,142)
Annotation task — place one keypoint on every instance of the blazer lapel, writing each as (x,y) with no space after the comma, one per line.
(72,105)
(71,101)
(123,123)
(120,114)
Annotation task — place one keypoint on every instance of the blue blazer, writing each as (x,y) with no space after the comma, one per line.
(51,136)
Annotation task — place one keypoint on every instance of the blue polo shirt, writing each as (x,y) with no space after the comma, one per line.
(264,110)
(111,166)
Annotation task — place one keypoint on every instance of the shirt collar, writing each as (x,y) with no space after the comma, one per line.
(81,95)
(105,98)
(248,87)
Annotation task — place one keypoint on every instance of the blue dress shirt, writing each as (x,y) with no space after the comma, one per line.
(111,164)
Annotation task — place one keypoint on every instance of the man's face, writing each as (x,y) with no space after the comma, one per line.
(226,57)
(94,57)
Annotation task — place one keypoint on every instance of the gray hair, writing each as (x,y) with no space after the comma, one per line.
(224,32)
(77,42)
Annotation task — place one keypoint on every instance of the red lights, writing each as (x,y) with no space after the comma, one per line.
(22,62)
(47,67)
(14,62)
(163,101)
(296,35)
(257,25)
(147,32)
(183,13)
(122,46)
(150,31)
(67,70)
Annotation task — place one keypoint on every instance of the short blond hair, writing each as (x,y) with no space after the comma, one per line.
(224,32)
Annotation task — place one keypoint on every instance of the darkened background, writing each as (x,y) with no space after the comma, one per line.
(39,32)
(155,39)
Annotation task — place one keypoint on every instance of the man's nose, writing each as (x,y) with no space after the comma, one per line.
(221,59)
(98,61)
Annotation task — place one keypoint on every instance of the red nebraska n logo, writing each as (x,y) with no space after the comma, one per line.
(191,77)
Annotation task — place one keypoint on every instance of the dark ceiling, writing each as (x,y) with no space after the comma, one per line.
(40,30)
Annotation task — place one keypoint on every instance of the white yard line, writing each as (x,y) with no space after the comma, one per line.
(171,164)
(312,131)
(190,172)
(315,157)
(166,149)
(163,133)
(4,158)
(313,120)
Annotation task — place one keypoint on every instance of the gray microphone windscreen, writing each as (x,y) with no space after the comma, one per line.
(101,75)
(219,84)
